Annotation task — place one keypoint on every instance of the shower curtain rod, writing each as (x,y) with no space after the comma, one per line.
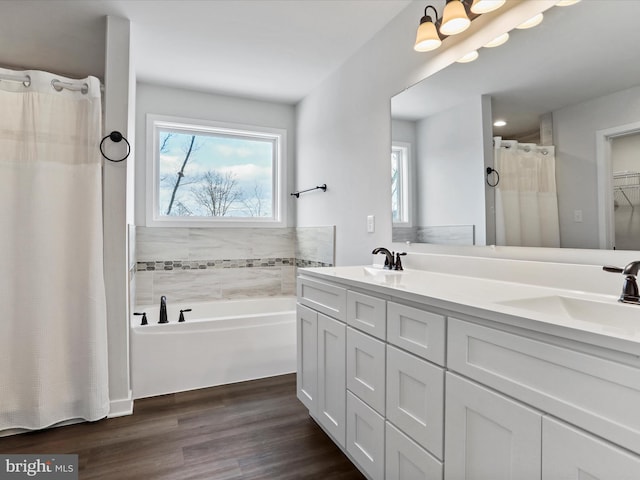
(56,84)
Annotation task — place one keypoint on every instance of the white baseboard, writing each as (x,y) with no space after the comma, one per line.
(121,407)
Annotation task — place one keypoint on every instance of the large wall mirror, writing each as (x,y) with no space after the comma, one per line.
(568,156)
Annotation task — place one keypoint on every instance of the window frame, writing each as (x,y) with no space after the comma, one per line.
(279,174)
(405,196)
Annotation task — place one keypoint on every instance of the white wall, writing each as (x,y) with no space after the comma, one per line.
(574,134)
(625,153)
(343,127)
(177,102)
(450,159)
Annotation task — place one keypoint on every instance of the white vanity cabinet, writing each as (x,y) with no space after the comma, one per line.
(321,362)
(415,388)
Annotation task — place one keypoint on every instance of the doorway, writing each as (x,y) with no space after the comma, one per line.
(625,166)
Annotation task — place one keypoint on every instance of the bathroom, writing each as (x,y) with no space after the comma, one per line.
(338,135)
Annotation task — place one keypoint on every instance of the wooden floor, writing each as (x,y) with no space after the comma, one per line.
(250,430)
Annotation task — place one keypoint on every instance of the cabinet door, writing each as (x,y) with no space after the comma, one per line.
(332,376)
(488,436)
(569,454)
(417,331)
(365,437)
(406,460)
(307,362)
(365,368)
(415,398)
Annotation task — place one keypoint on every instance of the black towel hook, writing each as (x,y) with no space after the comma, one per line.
(115,137)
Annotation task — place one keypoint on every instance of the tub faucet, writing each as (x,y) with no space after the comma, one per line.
(163,310)
(389,261)
(630,286)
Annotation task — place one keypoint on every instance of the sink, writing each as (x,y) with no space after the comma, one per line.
(602,312)
(379,271)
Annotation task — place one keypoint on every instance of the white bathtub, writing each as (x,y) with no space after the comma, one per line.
(220,342)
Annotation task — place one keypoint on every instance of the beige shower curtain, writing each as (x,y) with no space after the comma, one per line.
(53,347)
(526,196)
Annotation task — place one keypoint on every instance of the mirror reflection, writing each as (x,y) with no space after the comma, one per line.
(567,157)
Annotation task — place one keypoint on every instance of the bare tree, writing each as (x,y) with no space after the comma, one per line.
(217,192)
(254,204)
(180,174)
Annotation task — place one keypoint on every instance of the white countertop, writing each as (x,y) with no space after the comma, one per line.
(588,317)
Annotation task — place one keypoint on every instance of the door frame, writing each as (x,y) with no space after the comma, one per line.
(607,234)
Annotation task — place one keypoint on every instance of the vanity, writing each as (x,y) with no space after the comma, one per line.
(420,374)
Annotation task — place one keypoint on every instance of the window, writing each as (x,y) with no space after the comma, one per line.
(400,155)
(208,173)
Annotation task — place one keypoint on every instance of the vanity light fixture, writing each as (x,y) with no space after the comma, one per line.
(427,38)
(456,18)
(532,22)
(469,57)
(486,6)
(499,40)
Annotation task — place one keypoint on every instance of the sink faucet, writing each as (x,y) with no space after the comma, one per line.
(630,286)
(163,310)
(389,261)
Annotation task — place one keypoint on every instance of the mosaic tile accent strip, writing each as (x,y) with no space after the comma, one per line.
(167,265)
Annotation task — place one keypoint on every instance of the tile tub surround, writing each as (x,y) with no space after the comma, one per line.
(200,264)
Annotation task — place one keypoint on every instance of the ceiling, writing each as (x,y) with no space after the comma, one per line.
(579,52)
(276,50)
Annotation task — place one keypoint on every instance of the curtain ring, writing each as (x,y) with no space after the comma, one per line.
(489,172)
(115,137)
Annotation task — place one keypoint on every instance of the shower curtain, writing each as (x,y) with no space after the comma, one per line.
(53,348)
(526,196)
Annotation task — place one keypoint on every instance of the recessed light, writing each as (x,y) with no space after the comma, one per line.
(499,123)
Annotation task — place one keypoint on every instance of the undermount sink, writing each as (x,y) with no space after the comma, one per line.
(577,308)
(381,271)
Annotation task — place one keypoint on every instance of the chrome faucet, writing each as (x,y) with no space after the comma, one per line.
(630,286)
(163,310)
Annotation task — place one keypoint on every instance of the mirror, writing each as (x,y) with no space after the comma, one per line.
(561,83)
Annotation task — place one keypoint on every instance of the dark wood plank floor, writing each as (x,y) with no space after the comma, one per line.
(249,430)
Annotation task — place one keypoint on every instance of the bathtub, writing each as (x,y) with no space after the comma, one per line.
(220,342)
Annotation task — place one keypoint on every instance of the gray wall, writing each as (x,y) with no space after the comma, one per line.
(574,134)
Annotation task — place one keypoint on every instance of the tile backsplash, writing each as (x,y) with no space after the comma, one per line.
(201,264)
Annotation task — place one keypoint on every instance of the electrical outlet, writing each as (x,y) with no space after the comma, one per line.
(371,223)
(577,216)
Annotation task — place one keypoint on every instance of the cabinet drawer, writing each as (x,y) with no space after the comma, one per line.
(594,393)
(406,460)
(415,398)
(568,453)
(417,331)
(323,297)
(365,368)
(367,313)
(365,437)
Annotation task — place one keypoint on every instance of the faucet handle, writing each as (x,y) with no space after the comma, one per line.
(181,318)
(398,265)
(144,318)
(609,268)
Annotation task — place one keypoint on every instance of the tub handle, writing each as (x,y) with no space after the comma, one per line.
(144,318)
(181,319)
